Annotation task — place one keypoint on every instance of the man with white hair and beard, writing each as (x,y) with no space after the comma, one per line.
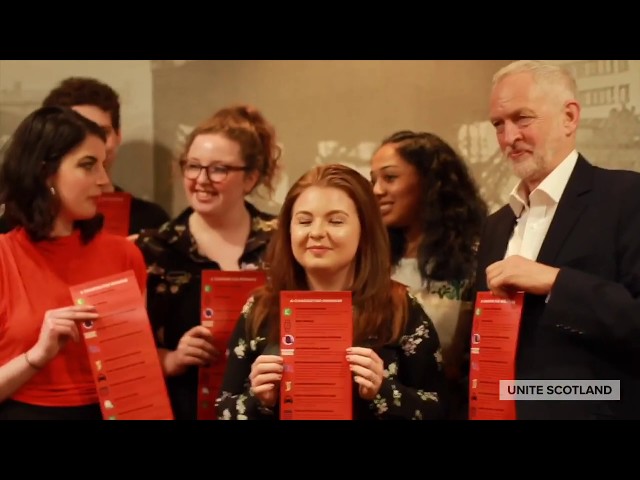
(569,238)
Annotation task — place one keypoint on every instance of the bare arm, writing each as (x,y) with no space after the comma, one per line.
(15,374)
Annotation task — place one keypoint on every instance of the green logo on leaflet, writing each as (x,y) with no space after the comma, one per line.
(207,288)
(287,312)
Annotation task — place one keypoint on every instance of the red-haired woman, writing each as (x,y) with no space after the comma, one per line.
(331,238)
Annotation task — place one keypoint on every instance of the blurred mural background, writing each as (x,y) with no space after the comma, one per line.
(324,111)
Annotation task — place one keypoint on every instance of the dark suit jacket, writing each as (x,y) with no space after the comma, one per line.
(590,327)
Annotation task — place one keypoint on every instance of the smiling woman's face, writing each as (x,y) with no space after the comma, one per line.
(396,184)
(325,231)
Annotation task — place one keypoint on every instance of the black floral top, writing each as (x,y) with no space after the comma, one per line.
(412,387)
(173,289)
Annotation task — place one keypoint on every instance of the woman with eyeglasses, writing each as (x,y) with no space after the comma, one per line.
(224,159)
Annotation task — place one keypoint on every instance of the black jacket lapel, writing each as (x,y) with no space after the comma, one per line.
(570,207)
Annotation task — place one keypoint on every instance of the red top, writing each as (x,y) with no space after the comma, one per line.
(34,278)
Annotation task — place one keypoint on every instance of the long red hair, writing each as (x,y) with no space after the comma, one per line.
(379,304)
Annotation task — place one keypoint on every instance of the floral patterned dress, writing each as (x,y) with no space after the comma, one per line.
(174,285)
(450,305)
(411,388)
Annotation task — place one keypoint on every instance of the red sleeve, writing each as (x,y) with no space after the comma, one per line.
(3,292)
(135,261)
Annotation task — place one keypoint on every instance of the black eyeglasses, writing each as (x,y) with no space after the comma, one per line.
(215,173)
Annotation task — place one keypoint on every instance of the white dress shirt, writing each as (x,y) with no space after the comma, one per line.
(535,213)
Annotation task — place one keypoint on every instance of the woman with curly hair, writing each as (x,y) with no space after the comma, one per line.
(434,215)
(225,158)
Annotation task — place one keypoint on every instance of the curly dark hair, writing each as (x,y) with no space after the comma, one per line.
(75,91)
(33,155)
(452,211)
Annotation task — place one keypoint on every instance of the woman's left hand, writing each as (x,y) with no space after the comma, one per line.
(368,369)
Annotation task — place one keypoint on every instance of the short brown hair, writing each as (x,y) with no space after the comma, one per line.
(75,91)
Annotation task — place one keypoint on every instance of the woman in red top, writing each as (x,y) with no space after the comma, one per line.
(50,180)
